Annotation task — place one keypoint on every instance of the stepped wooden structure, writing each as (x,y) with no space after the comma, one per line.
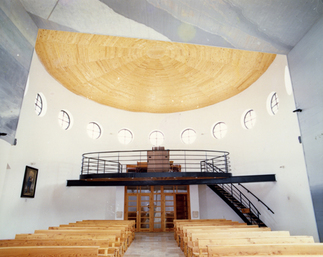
(84,238)
(220,237)
(205,237)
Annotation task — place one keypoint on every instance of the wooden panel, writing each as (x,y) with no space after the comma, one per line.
(158,161)
(155,208)
(147,76)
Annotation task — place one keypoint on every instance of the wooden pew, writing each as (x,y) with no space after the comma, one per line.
(192,239)
(263,249)
(129,224)
(128,227)
(201,248)
(215,230)
(178,223)
(105,248)
(181,225)
(127,235)
(207,227)
(110,237)
(50,251)
(115,242)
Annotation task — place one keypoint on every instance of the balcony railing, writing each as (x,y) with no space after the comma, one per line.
(179,160)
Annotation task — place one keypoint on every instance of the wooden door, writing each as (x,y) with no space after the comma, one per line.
(154,208)
(169,208)
(145,204)
(157,209)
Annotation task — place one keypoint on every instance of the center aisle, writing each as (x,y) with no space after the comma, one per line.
(161,244)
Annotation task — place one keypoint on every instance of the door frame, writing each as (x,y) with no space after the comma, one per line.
(165,222)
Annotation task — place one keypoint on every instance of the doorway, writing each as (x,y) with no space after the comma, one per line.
(154,208)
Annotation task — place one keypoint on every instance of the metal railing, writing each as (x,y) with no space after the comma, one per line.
(238,195)
(257,198)
(182,160)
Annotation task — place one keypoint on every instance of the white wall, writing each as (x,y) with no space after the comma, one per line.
(194,202)
(213,207)
(271,147)
(306,65)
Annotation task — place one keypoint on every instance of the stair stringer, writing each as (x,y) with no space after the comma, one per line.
(235,208)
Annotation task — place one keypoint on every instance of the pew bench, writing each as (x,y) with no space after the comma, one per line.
(124,232)
(114,242)
(201,244)
(178,227)
(105,246)
(263,249)
(215,230)
(50,251)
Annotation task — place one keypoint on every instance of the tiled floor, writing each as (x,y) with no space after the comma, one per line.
(160,244)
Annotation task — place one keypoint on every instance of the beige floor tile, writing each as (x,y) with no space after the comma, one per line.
(160,244)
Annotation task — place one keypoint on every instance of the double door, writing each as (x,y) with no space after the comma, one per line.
(155,207)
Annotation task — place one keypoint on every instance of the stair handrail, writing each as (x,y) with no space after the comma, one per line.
(243,199)
(257,198)
(210,163)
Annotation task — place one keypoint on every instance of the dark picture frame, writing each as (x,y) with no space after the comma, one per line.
(29,183)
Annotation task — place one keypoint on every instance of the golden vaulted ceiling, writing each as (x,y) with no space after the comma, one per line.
(147,75)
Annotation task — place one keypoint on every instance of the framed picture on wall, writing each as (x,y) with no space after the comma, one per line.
(29,182)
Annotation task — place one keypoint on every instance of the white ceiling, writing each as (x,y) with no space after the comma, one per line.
(273,26)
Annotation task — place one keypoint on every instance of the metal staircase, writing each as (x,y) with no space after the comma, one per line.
(239,203)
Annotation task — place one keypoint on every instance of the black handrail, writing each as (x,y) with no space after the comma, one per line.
(256,197)
(238,195)
(186,160)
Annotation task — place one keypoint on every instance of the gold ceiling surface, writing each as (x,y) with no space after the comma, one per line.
(147,76)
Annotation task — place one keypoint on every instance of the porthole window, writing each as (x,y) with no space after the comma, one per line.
(219,130)
(288,81)
(188,136)
(64,120)
(125,136)
(249,119)
(273,103)
(94,130)
(40,104)
(156,138)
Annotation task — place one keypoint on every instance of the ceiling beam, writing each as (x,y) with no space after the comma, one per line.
(174,181)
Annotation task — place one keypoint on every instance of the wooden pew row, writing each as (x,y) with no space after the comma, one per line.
(217,230)
(129,224)
(178,224)
(209,228)
(125,235)
(182,225)
(201,239)
(52,251)
(114,241)
(105,246)
(201,248)
(108,236)
(127,228)
(315,249)
(194,237)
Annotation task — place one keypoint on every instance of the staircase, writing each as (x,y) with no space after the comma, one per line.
(239,203)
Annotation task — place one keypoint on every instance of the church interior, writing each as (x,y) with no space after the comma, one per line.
(81,79)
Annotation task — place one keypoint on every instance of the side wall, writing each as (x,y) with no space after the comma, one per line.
(18,36)
(306,66)
(270,147)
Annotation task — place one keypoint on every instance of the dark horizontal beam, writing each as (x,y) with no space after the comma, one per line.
(156,175)
(175,181)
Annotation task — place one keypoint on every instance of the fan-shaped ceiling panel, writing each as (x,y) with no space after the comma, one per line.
(147,76)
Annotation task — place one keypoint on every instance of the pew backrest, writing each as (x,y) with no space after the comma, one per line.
(52,251)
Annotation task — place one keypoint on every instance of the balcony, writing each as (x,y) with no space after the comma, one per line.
(159,167)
